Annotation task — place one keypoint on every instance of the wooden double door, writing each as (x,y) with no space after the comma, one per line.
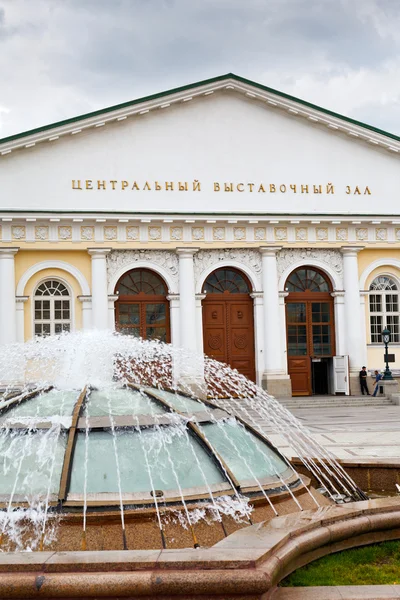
(228,331)
(310,337)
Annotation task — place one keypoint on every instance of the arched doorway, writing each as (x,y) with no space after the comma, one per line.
(142,309)
(310,331)
(228,321)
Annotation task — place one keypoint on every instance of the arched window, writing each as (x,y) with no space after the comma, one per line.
(226,280)
(307,279)
(384,308)
(52,308)
(142,309)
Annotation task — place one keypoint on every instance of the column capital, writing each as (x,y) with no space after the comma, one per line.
(21,299)
(351,250)
(85,299)
(283,294)
(270,250)
(8,252)
(338,294)
(255,295)
(98,252)
(201,296)
(112,298)
(186,252)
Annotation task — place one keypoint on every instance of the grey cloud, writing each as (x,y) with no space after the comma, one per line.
(94,53)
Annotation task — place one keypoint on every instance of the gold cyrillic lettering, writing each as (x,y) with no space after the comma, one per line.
(113,182)
(217,187)
(101,185)
(357,191)
(251,185)
(366,191)
(282,188)
(272,188)
(89,184)
(183,187)
(317,189)
(261,188)
(134,186)
(196,186)
(146,186)
(76,184)
(169,186)
(330,189)
(293,187)
(304,189)
(348,189)
(158,187)
(228,187)
(124,184)
(240,189)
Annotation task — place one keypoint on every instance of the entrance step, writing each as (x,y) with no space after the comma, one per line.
(334,401)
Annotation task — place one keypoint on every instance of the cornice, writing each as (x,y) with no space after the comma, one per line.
(273,100)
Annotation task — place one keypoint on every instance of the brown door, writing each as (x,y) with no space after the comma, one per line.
(228,322)
(310,326)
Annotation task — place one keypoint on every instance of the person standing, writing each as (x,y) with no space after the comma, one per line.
(378,377)
(363,381)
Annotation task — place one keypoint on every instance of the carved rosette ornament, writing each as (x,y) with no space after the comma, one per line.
(291,256)
(204,259)
(18,232)
(118,259)
(362,233)
(41,232)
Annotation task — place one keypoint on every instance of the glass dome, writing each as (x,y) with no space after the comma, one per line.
(103,447)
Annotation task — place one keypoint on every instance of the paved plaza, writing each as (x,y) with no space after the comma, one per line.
(349,432)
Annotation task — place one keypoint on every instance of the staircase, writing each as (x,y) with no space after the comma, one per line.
(299,402)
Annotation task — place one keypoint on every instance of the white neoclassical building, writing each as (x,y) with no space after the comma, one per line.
(224,217)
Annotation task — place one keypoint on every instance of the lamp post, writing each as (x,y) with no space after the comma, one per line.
(386,339)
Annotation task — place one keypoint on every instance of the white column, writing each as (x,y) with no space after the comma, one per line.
(111,311)
(99,288)
(188,329)
(364,298)
(174,318)
(352,309)
(340,323)
(20,317)
(272,322)
(199,322)
(8,318)
(258,304)
(86,312)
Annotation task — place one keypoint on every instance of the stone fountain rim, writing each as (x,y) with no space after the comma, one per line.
(250,561)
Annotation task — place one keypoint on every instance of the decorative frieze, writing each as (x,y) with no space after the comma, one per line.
(218,233)
(341,233)
(321,234)
(110,233)
(176,233)
(239,233)
(292,256)
(260,233)
(132,233)
(41,233)
(301,234)
(87,233)
(198,233)
(381,234)
(117,259)
(65,232)
(204,259)
(280,233)
(154,233)
(361,234)
(18,232)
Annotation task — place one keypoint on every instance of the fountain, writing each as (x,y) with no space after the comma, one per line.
(157,456)
(101,432)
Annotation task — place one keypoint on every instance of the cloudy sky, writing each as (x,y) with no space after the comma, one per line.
(61,58)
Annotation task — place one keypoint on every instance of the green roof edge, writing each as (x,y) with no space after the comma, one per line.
(191,86)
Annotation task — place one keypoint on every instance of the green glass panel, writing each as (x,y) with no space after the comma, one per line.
(121,402)
(52,403)
(180,402)
(246,455)
(162,446)
(35,459)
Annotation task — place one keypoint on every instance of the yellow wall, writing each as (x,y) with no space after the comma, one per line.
(375,352)
(26,259)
